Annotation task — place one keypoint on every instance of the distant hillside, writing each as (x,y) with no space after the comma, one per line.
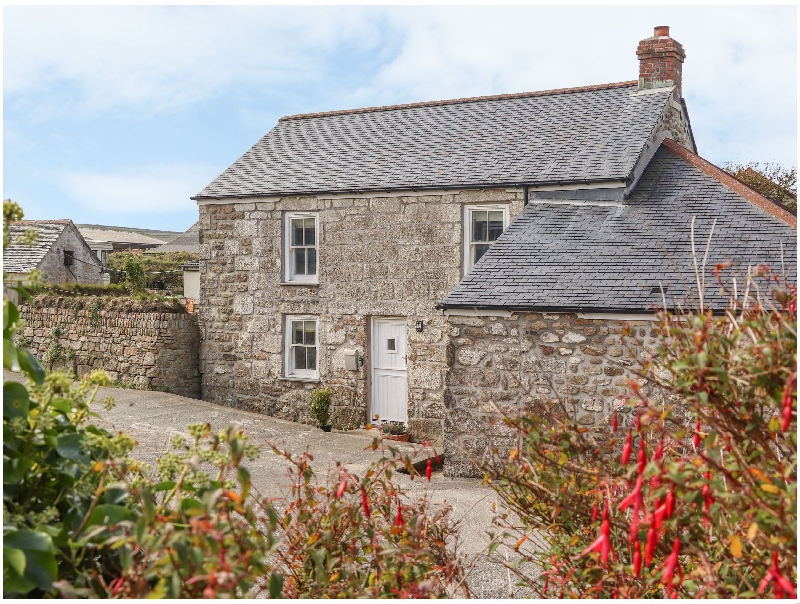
(155,234)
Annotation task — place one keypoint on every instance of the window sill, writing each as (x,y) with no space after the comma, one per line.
(300,283)
(293,378)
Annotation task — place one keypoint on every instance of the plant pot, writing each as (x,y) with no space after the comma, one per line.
(399,437)
(325,428)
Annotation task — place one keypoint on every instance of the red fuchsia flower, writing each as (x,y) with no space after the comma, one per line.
(787,402)
(669,503)
(626,449)
(632,496)
(659,451)
(603,543)
(429,470)
(614,421)
(342,486)
(671,563)
(365,503)
(436,455)
(642,459)
(398,520)
(637,559)
(782,588)
(594,512)
(652,542)
(696,439)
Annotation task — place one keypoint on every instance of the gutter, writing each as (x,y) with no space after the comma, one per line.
(561,309)
(494,185)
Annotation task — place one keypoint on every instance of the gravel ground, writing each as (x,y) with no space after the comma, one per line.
(152,418)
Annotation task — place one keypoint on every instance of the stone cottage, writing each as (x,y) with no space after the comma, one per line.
(426,261)
(59,252)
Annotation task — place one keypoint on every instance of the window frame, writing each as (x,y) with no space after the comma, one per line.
(288,273)
(289,372)
(466,225)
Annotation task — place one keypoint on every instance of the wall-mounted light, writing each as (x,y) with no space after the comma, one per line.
(420,325)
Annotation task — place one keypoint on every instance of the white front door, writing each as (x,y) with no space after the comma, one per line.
(389,375)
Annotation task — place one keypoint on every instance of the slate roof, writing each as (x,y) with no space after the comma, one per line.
(119,236)
(19,258)
(185,242)
(593,134)
(610,257)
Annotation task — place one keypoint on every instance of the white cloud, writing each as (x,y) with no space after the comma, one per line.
(162,57)
(155,190)
(739,77)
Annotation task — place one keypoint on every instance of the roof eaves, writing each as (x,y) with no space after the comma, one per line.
(560,309)
(778,210)
(461,187)
(474,99)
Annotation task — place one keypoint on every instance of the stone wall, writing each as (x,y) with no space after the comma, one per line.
(383,256)
(146,350)
(530,362)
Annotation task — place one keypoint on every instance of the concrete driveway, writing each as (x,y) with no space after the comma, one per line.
(152,418)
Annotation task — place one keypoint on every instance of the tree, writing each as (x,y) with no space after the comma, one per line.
(771,179)
(698,497)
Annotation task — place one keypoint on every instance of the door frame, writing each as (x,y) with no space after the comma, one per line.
(374,320)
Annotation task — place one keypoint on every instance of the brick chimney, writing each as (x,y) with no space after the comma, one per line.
(660,61)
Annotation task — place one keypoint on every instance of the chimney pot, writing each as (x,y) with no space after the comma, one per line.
(662,30)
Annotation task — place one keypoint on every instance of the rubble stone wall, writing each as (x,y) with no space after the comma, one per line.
(390,256)
(532,361)
(147,350)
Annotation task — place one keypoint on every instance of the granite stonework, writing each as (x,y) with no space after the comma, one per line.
(145,350)
(380,256)
(530,362)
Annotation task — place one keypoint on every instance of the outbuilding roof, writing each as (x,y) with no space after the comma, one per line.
(588,134)
(188,241)
(22,258)
(612,256)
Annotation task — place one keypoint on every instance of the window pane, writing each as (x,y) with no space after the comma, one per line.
(480,250)
(311,333)
(297,332)
(312,358)
(495,225)
(311,256)
(300,357)
(310,229)
(297,231)
(479,226)
(300,261)
(391,344)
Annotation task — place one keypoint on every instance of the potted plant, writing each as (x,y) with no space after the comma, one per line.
(395,431)
(321,406)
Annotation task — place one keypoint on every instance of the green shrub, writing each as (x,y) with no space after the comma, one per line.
(78,289)
(135,279)
(161,266)
(321,405)
(83,518)
(698,496)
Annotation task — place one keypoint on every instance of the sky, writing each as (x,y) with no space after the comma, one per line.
(118,115)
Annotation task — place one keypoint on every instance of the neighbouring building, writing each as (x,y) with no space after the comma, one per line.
(59,251)
(188,241)
(434,262)
(120,240)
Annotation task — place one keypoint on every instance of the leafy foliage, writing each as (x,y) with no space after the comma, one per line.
(394,428)
(77,289)
(363,537)
(135,279)
(773,180)
(12,212)
(162,266)
(82,517)
(321,405)
(701,500)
